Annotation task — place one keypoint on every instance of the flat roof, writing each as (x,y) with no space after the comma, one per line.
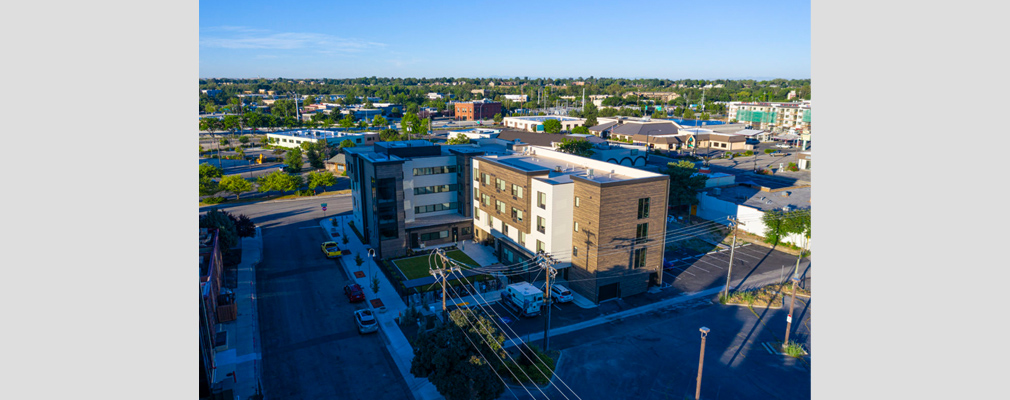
(319,133)
(798,198)
(561,167)
(542,118)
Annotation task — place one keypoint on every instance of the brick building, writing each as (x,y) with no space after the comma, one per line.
(474,110)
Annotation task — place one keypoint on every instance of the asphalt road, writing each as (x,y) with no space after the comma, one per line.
(311,348)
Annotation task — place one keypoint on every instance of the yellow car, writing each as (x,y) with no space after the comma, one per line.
(331,250)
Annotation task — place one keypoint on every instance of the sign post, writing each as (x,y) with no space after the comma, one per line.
(324,209)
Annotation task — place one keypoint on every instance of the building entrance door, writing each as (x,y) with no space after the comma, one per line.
(611,291)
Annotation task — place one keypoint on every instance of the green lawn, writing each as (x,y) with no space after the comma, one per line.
(417,267)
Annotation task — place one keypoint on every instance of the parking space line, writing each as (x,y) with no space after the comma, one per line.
(682,269)
(709,263)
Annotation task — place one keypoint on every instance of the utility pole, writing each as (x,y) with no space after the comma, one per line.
(729,272)
(701,362)
(789,318)
(439,254)
(547,262)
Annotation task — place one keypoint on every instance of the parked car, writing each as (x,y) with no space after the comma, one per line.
(561,294)
(331,250)
(783,146)
(354,293)
(365,321)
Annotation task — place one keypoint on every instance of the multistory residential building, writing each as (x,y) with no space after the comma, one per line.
(604,223)
(773,117)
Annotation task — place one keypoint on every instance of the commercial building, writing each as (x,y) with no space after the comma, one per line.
(522,98)
(413,194)
(623,154)
(476,110)
(604,223)
(748,202)
(774,117)
(295,138)
(536,123)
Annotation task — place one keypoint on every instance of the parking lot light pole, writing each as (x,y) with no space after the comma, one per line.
(701,362)
(371,256)
(729,272)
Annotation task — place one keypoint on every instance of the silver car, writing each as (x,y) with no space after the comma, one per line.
(366,321)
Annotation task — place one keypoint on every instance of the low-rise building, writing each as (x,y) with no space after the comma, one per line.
(337,164)
(295,138)
(774,117)
(748,202)
(536,123)
(476,110)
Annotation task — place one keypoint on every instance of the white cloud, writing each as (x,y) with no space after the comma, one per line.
(232,37)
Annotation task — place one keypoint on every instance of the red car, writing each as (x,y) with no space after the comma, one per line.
(354,293)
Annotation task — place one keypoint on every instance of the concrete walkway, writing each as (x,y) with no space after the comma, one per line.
(243,356)
(479,253)
(398,345)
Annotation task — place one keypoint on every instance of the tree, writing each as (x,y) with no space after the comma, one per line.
(684,183)
(461,357)
(209,171)
(578,147)
(368,104)
(349,143)
(278,180)
(498,118)
(380,121)
(208,186)
(591,121)
(459,139)
(243,139)
(227,236)
(347,121)
(388,135)
(294,160)
(235,184)
(658,114)
(223,141)
(315,154)
(580,130)
(688,114)
(705,116)
(552,126)
(321,179)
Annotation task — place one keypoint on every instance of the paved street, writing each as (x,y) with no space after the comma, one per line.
(311,348)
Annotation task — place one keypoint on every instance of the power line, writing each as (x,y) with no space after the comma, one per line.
(524,344)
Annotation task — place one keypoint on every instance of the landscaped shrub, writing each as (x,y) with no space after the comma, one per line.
(748,153)
(213,200)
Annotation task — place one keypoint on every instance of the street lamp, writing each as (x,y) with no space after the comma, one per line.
(371,256)
(701,362)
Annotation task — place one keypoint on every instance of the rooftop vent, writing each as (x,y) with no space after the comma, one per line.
(785,194)
(557,168)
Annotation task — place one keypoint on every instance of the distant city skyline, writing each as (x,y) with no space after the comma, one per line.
(566,39)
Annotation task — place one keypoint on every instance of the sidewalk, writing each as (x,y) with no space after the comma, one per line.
(243,354)
(398,345)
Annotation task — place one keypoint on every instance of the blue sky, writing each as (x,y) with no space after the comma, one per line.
(648,39)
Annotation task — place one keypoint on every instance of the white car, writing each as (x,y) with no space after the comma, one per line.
(366,321)
(783,146)
(561,294)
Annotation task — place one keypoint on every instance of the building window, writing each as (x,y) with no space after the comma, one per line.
(576,226)
(435,207)
(435,170)
(500,183)
(517,214)
(540,246)
(476,174)
(542,200)
(517,191)
(522,238)
(485,199)
(639,259)
(465,231)
(476,193)
(485,179)
(434,235)
(577,201)
(541,225)
(476,213)
(504,228)
(575,251)
(500,206)
(643,208)
(435,189)
(642,231)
